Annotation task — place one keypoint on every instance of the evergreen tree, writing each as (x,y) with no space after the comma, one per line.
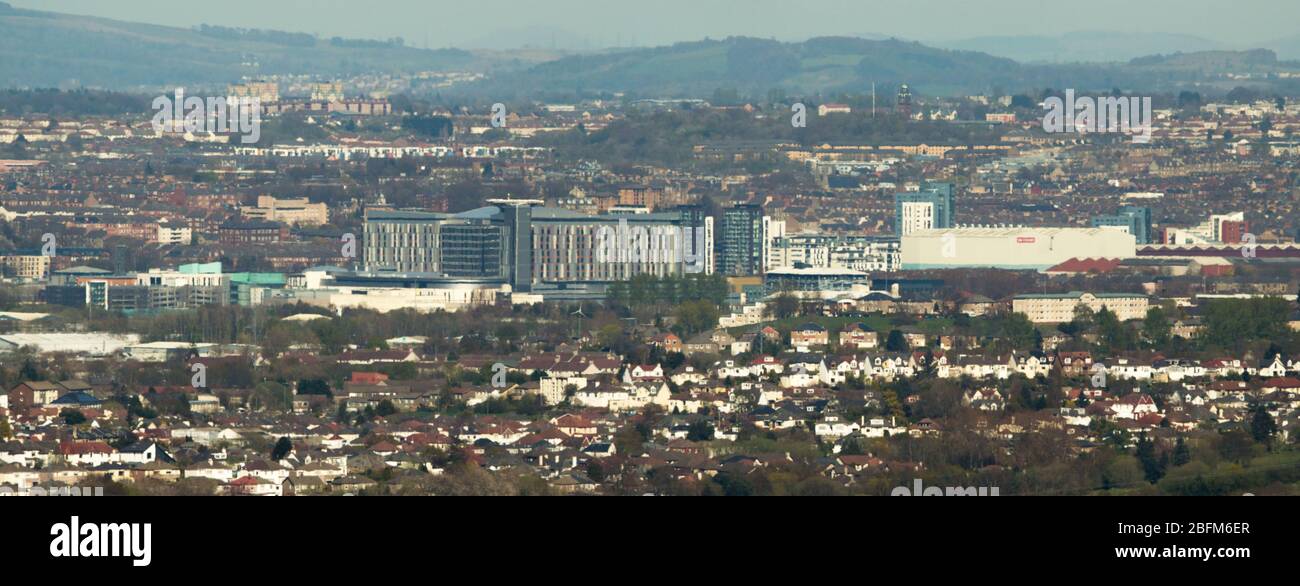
(699,431)
(1153,467)
(1262,426)
(896,342)
(282,448)
(72,417)
(29,372)
(1182,455)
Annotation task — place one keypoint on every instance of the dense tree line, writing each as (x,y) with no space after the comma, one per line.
(1234,323)
(648,290)
(72,104)
(274,37)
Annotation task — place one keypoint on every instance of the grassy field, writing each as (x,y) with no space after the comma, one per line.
(1267,473)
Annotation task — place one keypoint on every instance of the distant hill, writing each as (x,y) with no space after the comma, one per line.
(46,49)
(1083,47)
(1252,61)
(753,67)
(1103,47)
(1286,47)
(534,37)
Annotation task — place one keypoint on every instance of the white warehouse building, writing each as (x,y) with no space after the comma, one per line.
(1011,247)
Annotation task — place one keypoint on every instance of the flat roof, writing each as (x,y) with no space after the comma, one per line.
(1013,231)
(82,270)
(164,345)
(22,315)
(816,271)
(82,342)
(1078,294)
(539,213)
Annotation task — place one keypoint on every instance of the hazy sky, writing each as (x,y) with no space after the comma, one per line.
(595,23)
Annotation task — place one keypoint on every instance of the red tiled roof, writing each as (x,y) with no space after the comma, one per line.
(80,448)
(570,420)
(1086,265)
(1152,419)
(368,377)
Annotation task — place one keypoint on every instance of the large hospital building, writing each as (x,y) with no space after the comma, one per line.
(525,245)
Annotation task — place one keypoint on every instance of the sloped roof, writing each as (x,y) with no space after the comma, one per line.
(1086,265)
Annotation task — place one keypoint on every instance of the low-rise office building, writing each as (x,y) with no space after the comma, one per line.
(1060,307)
